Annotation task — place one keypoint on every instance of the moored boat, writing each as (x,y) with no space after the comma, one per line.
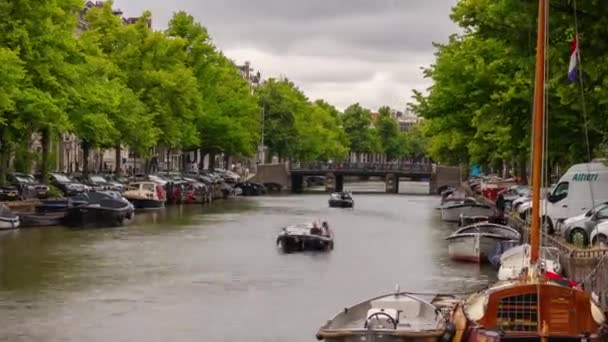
(399,316)
(306,237)
(341,200)
(99,210)
(477,242)
(146,195)
(8,219)
(469,207)
(41,219)
(514,260)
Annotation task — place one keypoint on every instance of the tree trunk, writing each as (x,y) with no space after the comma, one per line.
(4,156)
(523,159)
(117,160)
(45,141)
(211,161)
(201,164)
(86,149)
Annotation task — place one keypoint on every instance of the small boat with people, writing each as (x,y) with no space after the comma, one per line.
(306,237)
(100,209)
(8,219)
(451,211)
(477,242)
(399,316)
(341,200)
(146,195)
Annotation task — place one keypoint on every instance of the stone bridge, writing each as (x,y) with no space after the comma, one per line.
(292,176)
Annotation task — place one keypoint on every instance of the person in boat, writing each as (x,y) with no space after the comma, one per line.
(325,228)
(315,230)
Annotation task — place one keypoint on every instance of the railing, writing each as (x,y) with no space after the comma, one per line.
(369,167)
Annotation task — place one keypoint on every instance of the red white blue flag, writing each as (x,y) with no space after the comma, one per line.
(573,60)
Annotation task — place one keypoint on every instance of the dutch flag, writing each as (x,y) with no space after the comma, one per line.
(573,60)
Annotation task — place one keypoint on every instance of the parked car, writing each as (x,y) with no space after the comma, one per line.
(578,229)
(99,183)
(9,193)
(67,185)
(315,181)
(28,186)
(599,235)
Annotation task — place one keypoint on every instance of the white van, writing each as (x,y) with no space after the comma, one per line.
(581,188)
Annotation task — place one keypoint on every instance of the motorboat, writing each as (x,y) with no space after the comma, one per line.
(58,205)
(477,242)
(514,260)
(101,209)
(146,195)
(8,219)
(42,219)
(468,207)
(341,200)
(306,237)
(399,316)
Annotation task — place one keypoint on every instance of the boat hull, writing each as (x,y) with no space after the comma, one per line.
(95,217)
(341,204)
(476,248)
(7,223)
(453,213)
(289,243)
(147,203)
(42,219)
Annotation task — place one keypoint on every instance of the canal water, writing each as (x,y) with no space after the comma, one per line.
(213,273)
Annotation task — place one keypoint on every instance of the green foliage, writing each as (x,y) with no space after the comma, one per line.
(358,126)
(128,85)
(479,106)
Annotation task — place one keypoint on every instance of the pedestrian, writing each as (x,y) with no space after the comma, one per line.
(500,206)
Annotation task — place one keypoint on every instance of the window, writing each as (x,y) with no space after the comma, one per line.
(560,192)
(602,214)
(518,313)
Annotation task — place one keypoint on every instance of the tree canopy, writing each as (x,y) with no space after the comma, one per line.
(478,109)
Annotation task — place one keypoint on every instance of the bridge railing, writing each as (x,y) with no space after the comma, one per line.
(371,167)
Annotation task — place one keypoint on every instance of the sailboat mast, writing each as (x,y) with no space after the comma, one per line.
(537,131)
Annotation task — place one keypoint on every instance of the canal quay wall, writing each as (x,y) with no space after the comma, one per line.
(588,266)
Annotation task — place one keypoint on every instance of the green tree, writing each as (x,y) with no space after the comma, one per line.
(281,101)
(388,133)
(357,125)
(42,35)
(229,119)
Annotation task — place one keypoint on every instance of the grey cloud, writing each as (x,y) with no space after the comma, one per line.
(341,50)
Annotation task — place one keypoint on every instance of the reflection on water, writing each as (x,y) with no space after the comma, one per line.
(213,273)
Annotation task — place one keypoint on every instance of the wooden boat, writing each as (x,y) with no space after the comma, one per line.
(341,200)
(514,260)
(399,316)
(533,307)
(146,195)
(451,211)
(8,219)
(305,237)
(477,242)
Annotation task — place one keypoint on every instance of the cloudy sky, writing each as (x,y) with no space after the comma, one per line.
(344,51)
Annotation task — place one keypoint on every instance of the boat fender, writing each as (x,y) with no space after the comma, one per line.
(450,331)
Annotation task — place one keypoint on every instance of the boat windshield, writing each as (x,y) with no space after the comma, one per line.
(148,187)
(133,187)
(25,179)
